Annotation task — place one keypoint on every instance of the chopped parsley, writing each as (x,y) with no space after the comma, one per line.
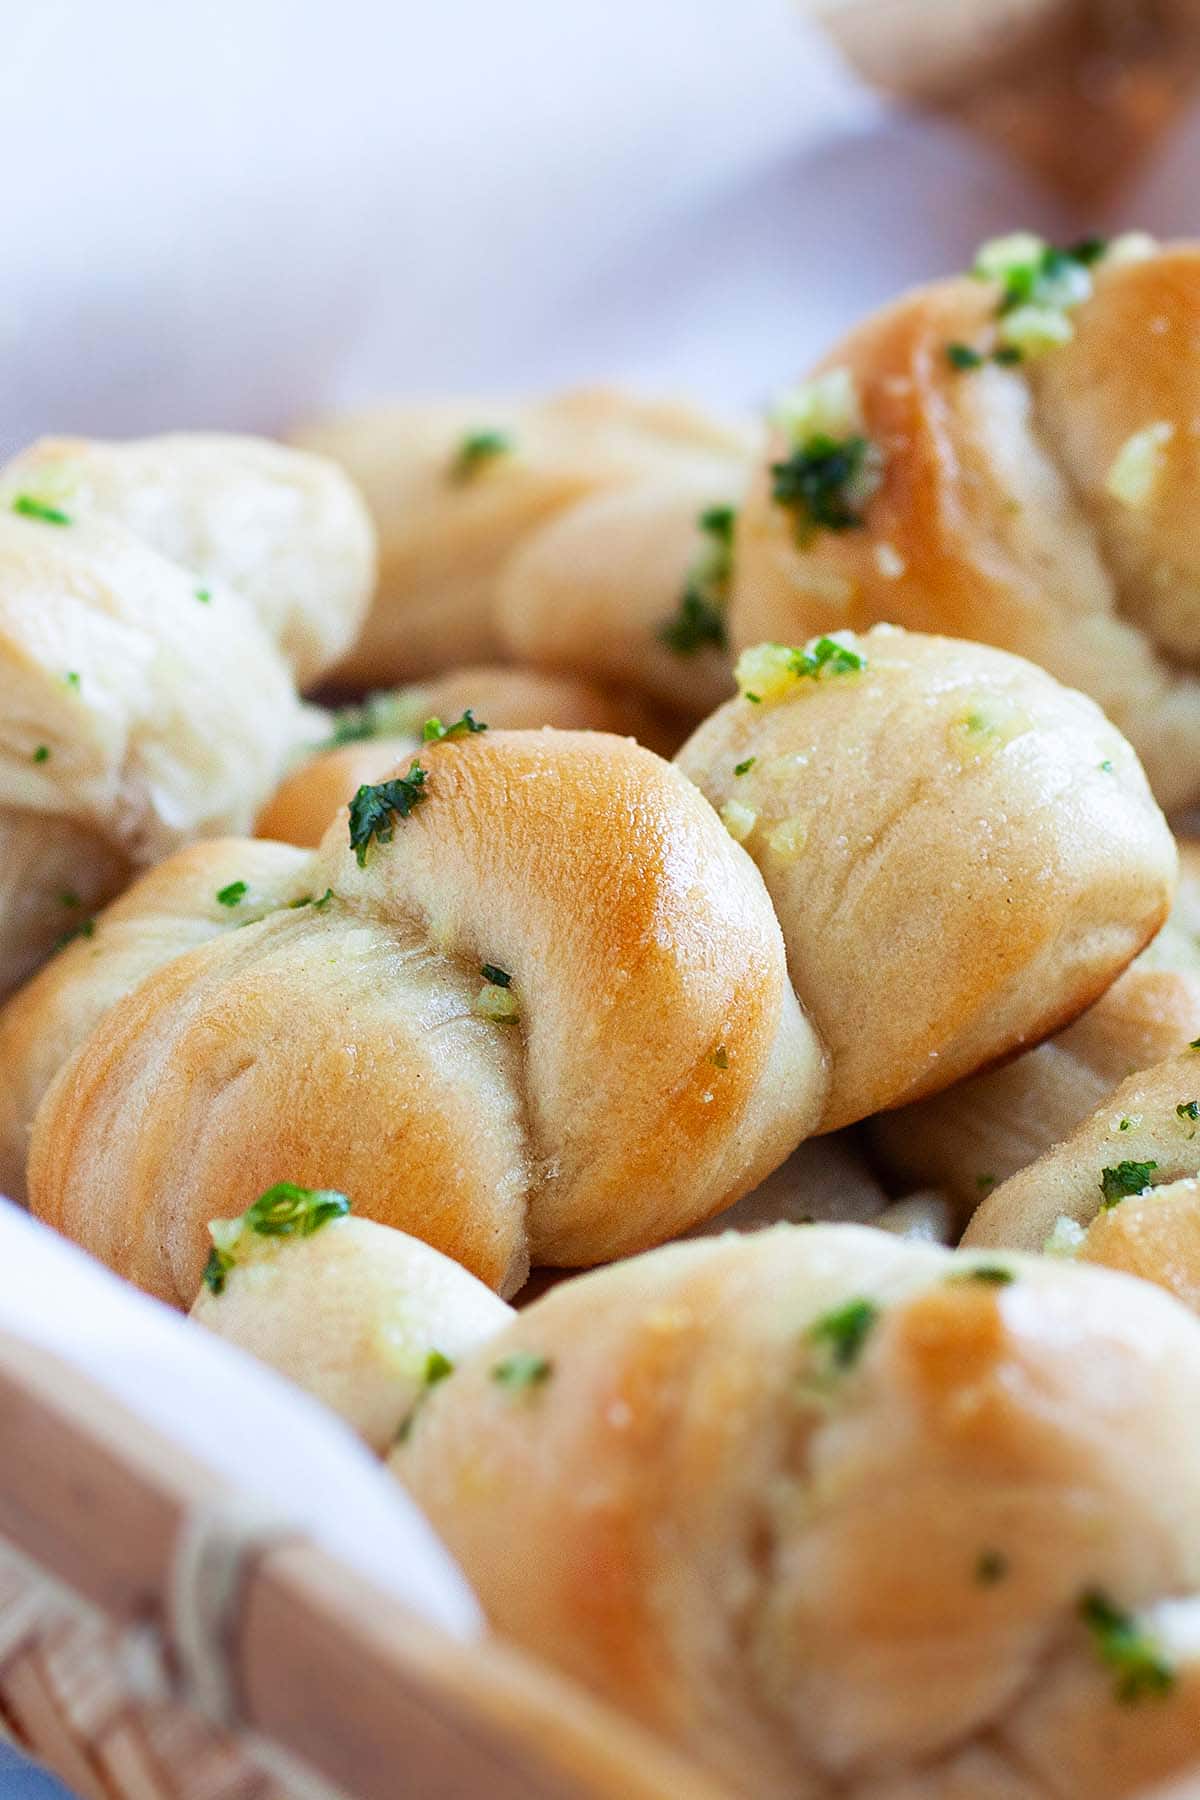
(375,810)
(437,1367)
(961,356)
(990,1274)
(72,678)
(1116,1184)
(476,451)
(85,929)
(824,481)
(1034,273)
(1188,1109)
(1141,1666)
(744,768)
(522,1371)
(31,508)
(233,894)
(991,1566)
(984,1182)
(498,977)
(433,731)
(844,1331)
(318,905)
(1106,767)
(700,617)
(1195,1044)
(826,657)
(69,897)
(42,753)
(204,595)
(286,1210)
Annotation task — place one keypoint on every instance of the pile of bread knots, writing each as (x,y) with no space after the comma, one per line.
(487,838)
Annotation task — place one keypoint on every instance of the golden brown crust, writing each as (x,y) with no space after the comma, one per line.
(962,855)
(340,1044)
(993,520)
(511,699)
(854,1578)
(1081,1196)
(975,1135)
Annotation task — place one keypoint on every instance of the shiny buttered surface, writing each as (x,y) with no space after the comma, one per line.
(962,853)
(1019,474)
(539,1012)
(159,602)
(362,741)
(845,1515)
(975,1135)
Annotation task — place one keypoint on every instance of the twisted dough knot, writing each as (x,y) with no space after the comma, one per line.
(660,1063)
(1043,504)
(863,1517)
(971,1138)
(559,532)
(158,603)
(657,1066)
(962,853)
(1120,1189)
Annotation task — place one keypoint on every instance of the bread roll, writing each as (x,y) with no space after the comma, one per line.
(366,1319)
(963,854)
(146,701)
(843,1515)
(645,1064)
(287,530)
(1121,1189)
(981,1131)
(1043,505)
(197,894)
(457,488)
(389,725)
(630,586)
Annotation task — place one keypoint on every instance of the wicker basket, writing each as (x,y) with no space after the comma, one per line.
(159,1642)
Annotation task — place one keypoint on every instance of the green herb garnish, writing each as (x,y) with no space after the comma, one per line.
(743,768)
(961,356)
(990,1274)
(826,657)
(700,618)
(498,977)
(720,1057)
(204,595)
(234,894)
(308,900)
(85,929)
(286,1210)
(42,753)
(844,1331)
(375,810)
(1142,1667)
(523,1370)
(1188,1109)
(31,508)
(823,482)
(433,731)
(476,450)
(72,678)
(984,1182)
(1116,1184)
